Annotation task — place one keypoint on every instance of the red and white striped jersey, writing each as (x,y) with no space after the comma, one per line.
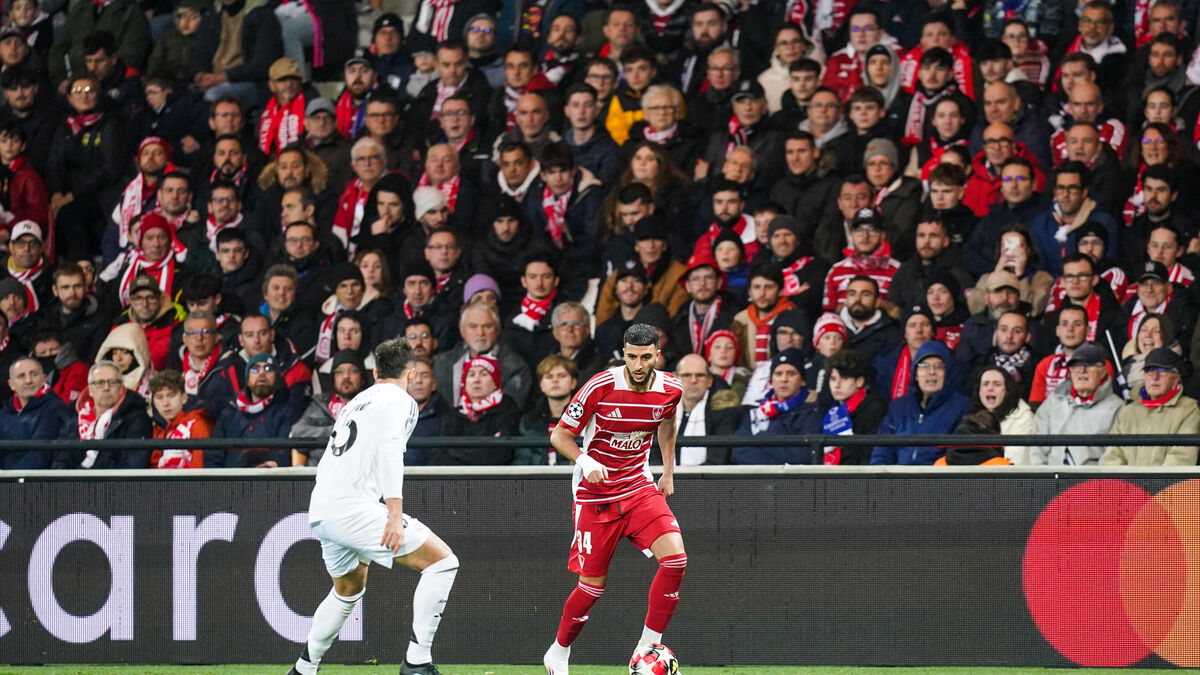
(618,425)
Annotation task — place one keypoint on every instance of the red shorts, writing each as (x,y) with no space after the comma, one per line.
(642,517)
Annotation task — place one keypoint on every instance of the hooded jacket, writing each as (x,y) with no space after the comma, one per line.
(1062,413)
(909,414)
(129,336)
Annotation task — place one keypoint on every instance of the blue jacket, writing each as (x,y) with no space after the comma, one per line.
(803,420)
(1042,230)
(274,421)
(907,416)
(40,420)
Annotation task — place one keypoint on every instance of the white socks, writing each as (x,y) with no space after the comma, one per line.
(428,602)
(650,637)
(327,621)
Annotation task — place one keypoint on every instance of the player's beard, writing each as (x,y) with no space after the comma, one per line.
(642,385)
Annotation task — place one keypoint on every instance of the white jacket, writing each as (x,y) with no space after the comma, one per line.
(1061,414)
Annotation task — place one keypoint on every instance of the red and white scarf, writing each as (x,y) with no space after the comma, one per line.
(555,209)
(737,135)
(434,18)
(472,409)
(1141,22)
(212,229)
(699,329)
(349,119)
(914,124)
(163,272)
(791,284)
(449,188)
(177,459)
(92,427)
(762,328)
(1180,275)
(78,123)
(27,277)
(359,199)
(660,137)
(336,403)
(1057,371)
(444,91)
(533,311)
(902,377)
(797,11)
(192,377)
(1136,204)
(325,335)
(244,404)
(280,126)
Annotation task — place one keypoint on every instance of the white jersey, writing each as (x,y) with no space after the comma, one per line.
(364,460)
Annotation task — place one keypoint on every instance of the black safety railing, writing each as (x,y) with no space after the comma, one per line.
(815,442)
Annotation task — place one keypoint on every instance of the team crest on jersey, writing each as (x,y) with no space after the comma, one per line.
(575,410)
(658,413)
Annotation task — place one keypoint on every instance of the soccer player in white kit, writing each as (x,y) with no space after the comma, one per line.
(363,463)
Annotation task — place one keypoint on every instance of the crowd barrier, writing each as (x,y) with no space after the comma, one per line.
(787,565)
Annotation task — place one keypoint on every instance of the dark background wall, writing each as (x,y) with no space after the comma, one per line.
(891,570)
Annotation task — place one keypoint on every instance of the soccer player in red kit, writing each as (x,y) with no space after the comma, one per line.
(617,412)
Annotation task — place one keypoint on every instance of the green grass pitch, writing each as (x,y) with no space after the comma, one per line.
(575,670)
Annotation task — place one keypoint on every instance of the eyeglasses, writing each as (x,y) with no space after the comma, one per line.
(1084,20)
(83,89)
(456,113)
(424,335)
(103,384)
(932,366)
(201,332)
(723,69)
(298,240)
(571,324)
(863,29)
(442,247)
(381,115)
(1015,179)
(997,141)
(368,158)
(1076,277)
(480,29)
(144,299)
(222,200)
(1148,140)
(262,368)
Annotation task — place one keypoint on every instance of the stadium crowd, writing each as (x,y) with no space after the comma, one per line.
(870,216)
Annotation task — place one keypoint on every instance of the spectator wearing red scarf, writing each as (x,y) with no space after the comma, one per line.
(282,120)
(482,409)
(1158,408)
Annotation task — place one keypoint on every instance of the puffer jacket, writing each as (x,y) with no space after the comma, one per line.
(1179,415)
(1060,413)
(907,415)
(40,420)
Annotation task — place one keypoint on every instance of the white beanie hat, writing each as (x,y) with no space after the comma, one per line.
(426,199)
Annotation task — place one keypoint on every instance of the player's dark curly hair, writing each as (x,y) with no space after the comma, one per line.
(391,358)
(638,335)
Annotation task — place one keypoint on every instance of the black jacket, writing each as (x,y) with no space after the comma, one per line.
(90,162)
(130,420)
(273,421)
(262,44)
(40,420)
(810,197)
(681,331)
(501,420)
(914,276)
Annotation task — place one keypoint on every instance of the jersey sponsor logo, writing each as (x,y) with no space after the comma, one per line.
(658,413)
(575,410)
(628,441)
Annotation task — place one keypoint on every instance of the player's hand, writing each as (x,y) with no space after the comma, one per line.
(598,475)
(393,535)
(666,485)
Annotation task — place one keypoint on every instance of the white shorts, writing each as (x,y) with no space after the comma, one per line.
(355,538)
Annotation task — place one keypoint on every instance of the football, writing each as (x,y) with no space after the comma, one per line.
(653,659)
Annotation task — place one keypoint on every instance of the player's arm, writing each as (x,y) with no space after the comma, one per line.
(391,482)
(666,444)
(563,440)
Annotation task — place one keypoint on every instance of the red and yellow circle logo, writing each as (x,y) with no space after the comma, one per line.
(1112,573)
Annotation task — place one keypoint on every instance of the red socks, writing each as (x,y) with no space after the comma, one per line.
(664,591)
(575,611)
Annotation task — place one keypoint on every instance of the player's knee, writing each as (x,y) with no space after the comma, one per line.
(447,564)
(676,562)
(598,582)
(349,595)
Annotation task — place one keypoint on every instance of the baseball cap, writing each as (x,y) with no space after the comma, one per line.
(632,268)
(361,56)
(1003,279)
(1153,269)
(1163,357)
(143,282)
(1087,354)
(10,286)
(320,105)
(747,89)
(284,68)
(867,216)
(653,226)
(10,31)
(26,227)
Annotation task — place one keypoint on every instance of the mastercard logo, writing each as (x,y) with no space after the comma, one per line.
(1111,573)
